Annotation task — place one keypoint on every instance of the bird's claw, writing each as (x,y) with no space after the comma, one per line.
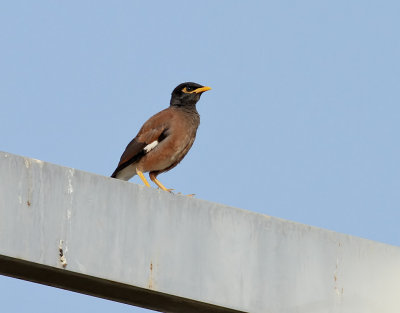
(167,189)
(190,195)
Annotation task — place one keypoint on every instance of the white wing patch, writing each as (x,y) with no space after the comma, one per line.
(150,146)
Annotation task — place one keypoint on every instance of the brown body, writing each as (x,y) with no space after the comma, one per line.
(165,139)
(175,130)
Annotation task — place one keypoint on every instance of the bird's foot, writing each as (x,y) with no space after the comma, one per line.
(158,183)
(167,189)
(190,195)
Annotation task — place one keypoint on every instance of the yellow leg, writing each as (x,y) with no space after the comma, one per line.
(142,178)
(158,183)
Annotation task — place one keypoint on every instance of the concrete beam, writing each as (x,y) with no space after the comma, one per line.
(121,241)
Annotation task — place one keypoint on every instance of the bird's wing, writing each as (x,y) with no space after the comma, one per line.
(151,133)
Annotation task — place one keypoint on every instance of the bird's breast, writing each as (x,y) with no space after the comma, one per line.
(170,151)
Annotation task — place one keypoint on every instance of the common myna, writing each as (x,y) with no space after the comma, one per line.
(165,139)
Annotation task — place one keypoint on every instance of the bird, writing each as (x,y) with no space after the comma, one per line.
(164,139)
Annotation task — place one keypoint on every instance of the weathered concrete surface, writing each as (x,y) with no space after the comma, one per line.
(133,244)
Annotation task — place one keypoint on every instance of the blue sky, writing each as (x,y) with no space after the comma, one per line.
(302,122)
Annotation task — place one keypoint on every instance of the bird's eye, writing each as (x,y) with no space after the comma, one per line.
(188,89)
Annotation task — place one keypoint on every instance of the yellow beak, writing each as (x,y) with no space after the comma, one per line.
(202,89)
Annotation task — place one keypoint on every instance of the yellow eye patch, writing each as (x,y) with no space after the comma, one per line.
(184,90)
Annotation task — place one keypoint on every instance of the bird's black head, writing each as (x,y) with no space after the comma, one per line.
(187,94)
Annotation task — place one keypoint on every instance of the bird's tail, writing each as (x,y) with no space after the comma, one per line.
(124,173)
